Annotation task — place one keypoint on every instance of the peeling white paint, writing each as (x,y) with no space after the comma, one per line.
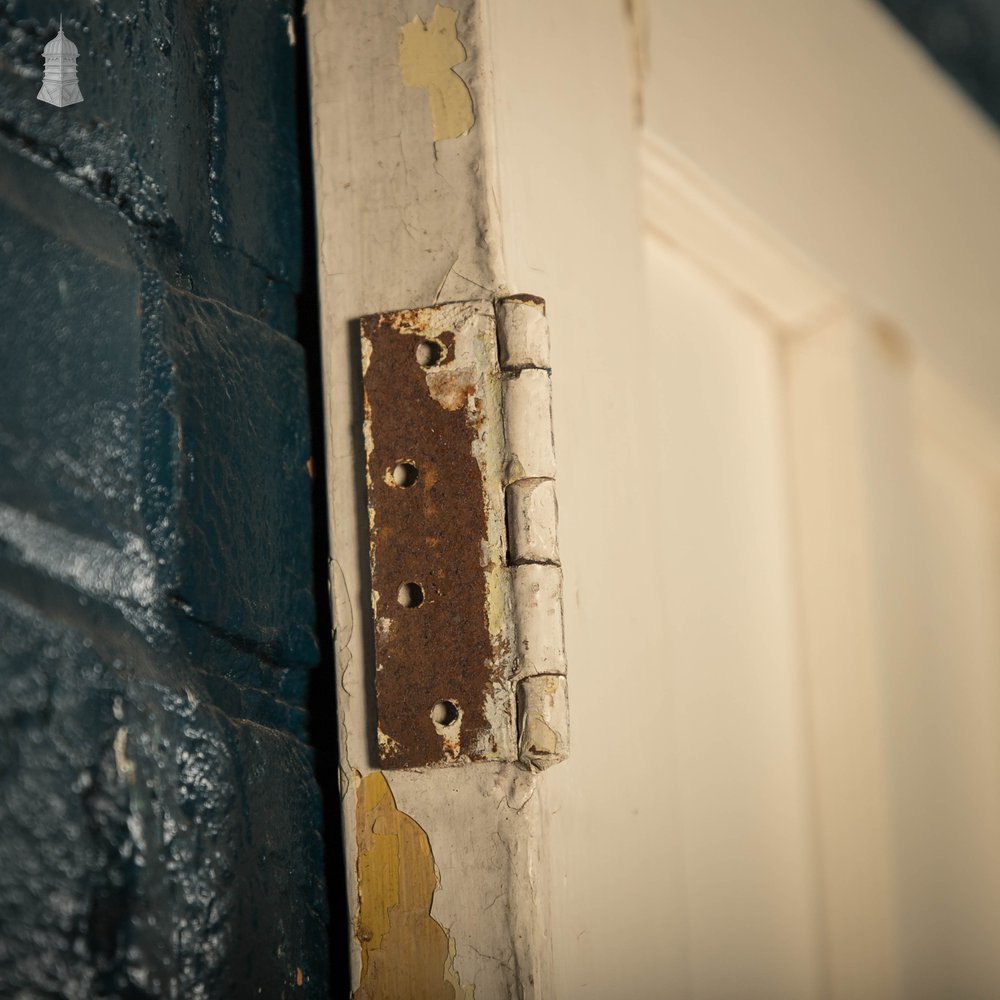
(523,333)
(491,896)
(528,409)
(543,721)
(532,521)
(537,589)
(542,703)
(498,709)
(386,743)
(403,221)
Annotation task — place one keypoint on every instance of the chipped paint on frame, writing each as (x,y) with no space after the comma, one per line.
(428,55)
(404,950)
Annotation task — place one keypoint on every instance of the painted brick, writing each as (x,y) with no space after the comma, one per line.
(162,831)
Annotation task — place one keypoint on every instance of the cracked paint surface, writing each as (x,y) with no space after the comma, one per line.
(404,951)
(431,219)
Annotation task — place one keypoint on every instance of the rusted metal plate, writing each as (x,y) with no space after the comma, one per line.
(440,592)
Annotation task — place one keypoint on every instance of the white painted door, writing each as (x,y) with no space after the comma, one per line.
(777,417)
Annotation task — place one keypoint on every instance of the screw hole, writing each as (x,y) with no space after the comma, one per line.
(429,353)
(444,713)
(411,595)
(404,474)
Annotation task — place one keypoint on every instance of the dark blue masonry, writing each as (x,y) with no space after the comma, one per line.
(160,823)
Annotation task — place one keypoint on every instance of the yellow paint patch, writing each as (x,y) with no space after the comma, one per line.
(405,952)
(427,55)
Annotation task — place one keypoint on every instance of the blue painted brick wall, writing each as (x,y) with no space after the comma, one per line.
(159,819)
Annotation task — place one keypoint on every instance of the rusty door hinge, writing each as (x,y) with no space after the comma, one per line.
(466,580)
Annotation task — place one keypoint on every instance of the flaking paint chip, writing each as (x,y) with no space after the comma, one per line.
(428,54)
